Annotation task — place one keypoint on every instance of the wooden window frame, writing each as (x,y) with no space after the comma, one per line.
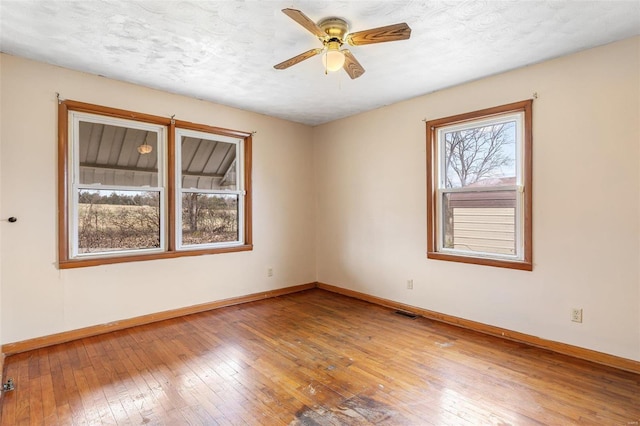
(65,261)
(432,126)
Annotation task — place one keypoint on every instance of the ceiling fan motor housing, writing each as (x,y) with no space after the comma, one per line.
(336,28)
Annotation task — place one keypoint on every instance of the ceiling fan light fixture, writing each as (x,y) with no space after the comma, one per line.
(333,58)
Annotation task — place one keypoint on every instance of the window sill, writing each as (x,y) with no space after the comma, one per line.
(500,263)
(97,261)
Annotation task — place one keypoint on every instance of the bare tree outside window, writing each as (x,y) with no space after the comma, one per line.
(472,155)
(209,218)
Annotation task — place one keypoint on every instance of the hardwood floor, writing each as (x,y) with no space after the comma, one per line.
(310,358)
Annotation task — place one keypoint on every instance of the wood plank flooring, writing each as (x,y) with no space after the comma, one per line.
(310,358)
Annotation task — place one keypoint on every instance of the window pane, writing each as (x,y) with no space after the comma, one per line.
(208,164)
(118,220)
(483,222)
(116,156)
(209,218)
(480,156)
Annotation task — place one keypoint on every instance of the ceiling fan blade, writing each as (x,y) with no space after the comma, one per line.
(297,59)
(304,20)
(351,65)
(380,35)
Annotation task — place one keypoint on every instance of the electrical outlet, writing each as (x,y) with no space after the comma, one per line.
(576,315)
(409,284)
(269,272)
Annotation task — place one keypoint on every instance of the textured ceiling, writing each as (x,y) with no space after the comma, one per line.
(224,51)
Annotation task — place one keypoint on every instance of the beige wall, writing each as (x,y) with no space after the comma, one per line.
(367,206)
(38,299)
(370,177)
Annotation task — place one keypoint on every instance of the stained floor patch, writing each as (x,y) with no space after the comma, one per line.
(359,410)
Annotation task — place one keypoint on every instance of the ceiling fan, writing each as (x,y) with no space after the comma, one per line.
(333,33)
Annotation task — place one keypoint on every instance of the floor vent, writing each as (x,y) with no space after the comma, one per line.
(407,314)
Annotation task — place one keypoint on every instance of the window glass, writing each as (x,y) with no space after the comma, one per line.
(480,222)
(117,155)
(480,156)
(208,164)
(209,218)
(120,220)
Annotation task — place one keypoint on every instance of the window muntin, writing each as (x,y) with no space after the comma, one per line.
(480,202)
(117,193)
(142,196)
(211,189)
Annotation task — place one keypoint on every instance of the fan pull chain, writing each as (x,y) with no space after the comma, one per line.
(326,66)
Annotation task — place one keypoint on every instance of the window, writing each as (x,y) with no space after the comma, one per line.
(134,187)
(209,189)
(479,187)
